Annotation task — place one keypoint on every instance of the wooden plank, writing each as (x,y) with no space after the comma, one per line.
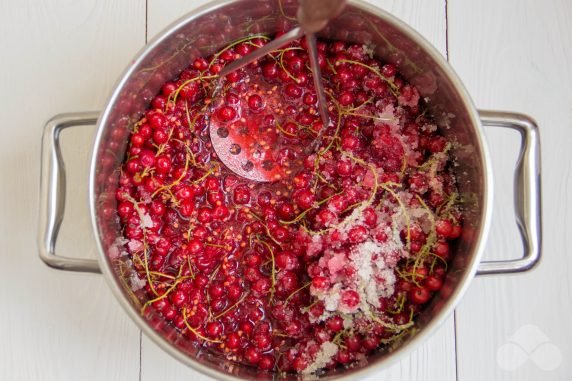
(516,55)
(58,56)
(435,359)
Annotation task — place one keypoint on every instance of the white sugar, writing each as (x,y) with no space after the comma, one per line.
(116,250)
(113,252)
(146,221)
(371,294)
(370,271)
(362,256)
(387,114)
(327,351)
(386,285)
(363,303)
(332,298)
(146,197)
(422,217)
(135,245)
(136,283)
(315,245)
(351,221)
(436,185)
(367,49)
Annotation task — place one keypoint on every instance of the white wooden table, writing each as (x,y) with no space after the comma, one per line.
(64,55)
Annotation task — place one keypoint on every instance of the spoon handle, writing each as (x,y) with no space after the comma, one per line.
(313,15)
(261,52)
(318,86)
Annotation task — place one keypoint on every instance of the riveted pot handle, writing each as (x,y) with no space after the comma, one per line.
(527,201)
(52,193)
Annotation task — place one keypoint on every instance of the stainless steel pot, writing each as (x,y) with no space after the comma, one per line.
(206,30)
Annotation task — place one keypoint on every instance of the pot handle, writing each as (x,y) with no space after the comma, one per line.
(52,193)
(527,201)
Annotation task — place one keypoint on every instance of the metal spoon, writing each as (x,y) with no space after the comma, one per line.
(248,162)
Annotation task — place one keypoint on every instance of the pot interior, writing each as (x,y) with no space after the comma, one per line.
(207,30)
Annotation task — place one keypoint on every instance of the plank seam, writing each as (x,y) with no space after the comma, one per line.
(146,21)
(140,352)
(455,336)
(447,29)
